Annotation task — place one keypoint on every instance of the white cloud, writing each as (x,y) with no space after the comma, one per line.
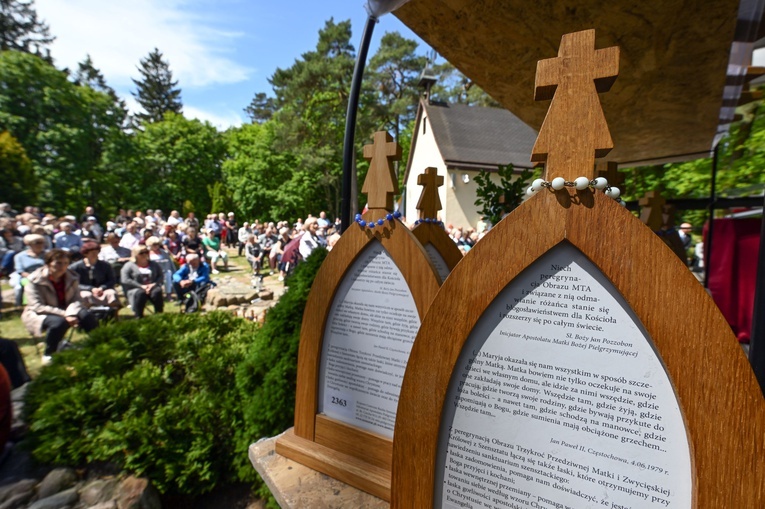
(118,34)
(221,122)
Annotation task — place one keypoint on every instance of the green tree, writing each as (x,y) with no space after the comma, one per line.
(220,197)
(19,184)
(61,126)
(21,30)
(88,75)
(455,87)
(311,99)
(741,157)
(261,108)
(393,73)
(156,91)
(498,200)
(178,159)
(262,179)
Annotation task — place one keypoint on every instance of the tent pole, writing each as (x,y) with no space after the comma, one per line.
(712,201)
(350,122)
(757,341)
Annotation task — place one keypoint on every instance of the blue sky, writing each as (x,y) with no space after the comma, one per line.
(221,52)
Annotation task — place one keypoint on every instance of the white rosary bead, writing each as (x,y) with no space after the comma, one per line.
(531,191)
(613,192)
(581,183)
(537,184)
(558,183)
(600,183)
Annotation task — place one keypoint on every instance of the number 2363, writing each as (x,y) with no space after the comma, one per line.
(338,401)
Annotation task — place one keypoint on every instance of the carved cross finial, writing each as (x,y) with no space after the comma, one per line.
(381,183)
(574,131)
(430,202)
(609,170)
(652,210)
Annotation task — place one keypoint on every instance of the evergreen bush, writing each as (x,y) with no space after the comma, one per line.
(267,378)
(175,398)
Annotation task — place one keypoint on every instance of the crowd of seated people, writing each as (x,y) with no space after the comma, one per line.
(141,257)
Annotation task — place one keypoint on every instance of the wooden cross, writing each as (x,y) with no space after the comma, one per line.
(430,202)
(652,210)
(381,183)
(609,170)
(574,131)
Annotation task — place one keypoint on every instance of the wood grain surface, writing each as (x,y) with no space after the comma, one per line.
(720,399)
(348,444)
(429,233)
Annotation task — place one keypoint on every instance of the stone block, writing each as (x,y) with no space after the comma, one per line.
(109,504)
(57,480)
(17,501)
(57,501)
(23,486)
(266,295)
(137,493)
(98,491)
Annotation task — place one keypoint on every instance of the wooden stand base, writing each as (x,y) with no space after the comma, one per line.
(295,486)
(349,469)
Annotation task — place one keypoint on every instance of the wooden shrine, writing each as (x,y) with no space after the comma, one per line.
(571,359)
(429,230)
(362,314)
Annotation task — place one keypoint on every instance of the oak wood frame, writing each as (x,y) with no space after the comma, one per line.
(350,454)
(429,233)
(719,397)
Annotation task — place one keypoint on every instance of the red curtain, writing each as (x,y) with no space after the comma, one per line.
(733,270)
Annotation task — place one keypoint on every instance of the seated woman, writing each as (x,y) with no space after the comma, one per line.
(53,302)
(26,262)
(96,278)
(213,251)
(157,253)
(191,243)
(172,243)
(142,280)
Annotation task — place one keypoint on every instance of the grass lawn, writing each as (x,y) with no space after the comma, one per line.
(32,349)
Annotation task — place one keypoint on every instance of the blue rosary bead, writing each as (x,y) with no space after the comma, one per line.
(397,214)
(362,223)
(389,217)
(380,222)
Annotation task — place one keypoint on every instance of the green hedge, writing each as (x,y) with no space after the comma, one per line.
(176,398)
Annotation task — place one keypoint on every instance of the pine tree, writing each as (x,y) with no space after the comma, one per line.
(261,109)
(157,92)
(88,74)
(20,29)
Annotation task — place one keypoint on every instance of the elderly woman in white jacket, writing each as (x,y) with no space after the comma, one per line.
(309,240)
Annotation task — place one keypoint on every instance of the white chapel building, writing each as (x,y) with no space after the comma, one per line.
(459,141)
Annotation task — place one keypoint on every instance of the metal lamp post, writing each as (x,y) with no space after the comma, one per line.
(375,9)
